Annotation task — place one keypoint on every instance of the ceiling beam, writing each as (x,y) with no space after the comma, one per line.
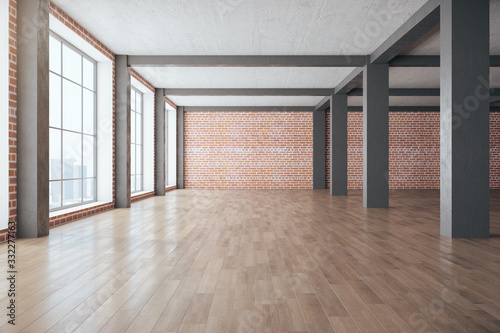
(416,92)
(400,108)
(402,92)
(303,92)
(248,92)
(495,98)
(420,23)
(353,80)
(246,61)
(313,108)
(323,104)
(429,61)
(285,61)
(495,61)
(248,108)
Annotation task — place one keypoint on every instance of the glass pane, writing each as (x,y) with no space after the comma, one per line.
(72,192)
(88,112)
(132,99)
(88,74)
(138,103)
(132,127)
(72,155)
(138,185)
(55,154)
(172,149)
(132,184)
(138,126)
(55,55)
(88,156)
(167,144)
(89,190)
(55,100)
(72,106)
(138,157)
(132,159)
(72,65)
(55,194)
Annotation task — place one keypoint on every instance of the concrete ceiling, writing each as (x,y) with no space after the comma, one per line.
(400,101)
(238,27)
(244,77)
(261,27)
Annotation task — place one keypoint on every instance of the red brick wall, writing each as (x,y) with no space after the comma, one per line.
(142,80)
(75,215)
(142,196)
(413,151)
(248,150)
(354,150)
(172,104)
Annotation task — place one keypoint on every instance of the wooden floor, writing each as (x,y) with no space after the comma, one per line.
(259,261)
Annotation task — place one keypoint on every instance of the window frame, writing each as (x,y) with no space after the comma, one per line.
(170,142)
(61,76)
(140,93)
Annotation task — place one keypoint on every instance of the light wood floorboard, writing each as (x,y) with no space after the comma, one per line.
(259,261)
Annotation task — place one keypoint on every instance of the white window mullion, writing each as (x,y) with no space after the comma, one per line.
(74,69)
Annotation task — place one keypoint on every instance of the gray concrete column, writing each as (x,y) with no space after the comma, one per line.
(180,147)
(465,118)
(159,142)
(319,150)
(338,145)
(33,119)
(376,136)
(122,128)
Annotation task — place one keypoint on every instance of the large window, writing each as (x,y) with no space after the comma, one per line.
(72,126)
(136,147)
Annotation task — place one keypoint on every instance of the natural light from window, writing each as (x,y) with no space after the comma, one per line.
(72,124)
(136,139)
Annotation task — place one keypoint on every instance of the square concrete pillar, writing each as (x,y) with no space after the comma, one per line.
(338,145)
(122,132)
(33,119)
(465,97)
(159,142)
(319,150)
(376,136)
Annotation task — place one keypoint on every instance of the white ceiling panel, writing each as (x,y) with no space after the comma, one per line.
(261,27)
(237,27)
(414,77)
(244,77)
